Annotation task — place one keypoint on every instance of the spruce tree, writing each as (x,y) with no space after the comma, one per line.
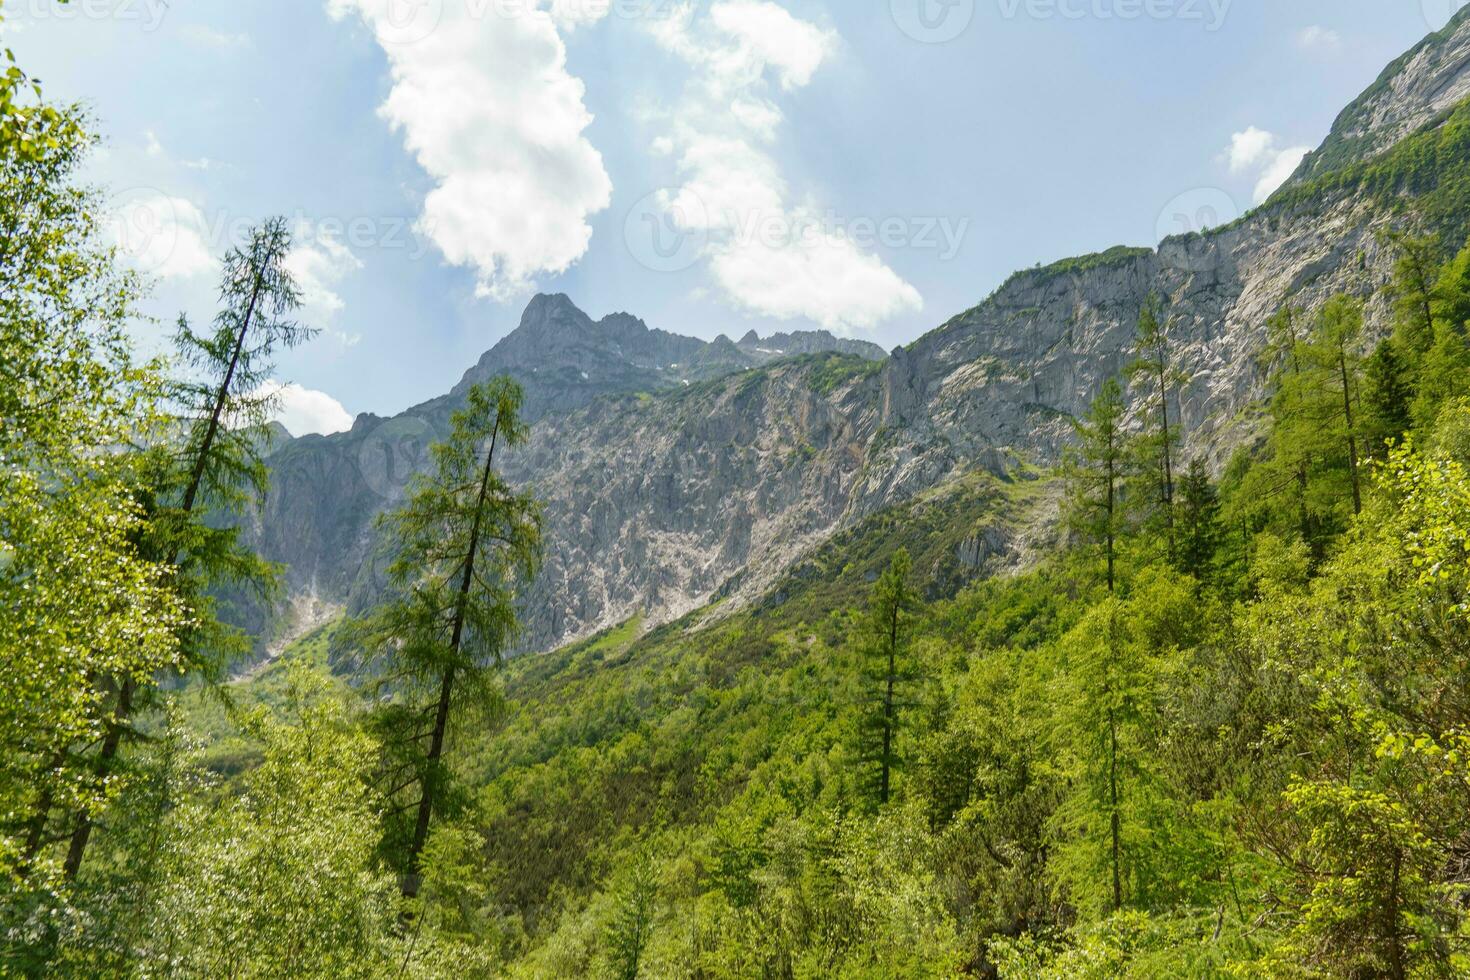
(1387,399)
(1199,523)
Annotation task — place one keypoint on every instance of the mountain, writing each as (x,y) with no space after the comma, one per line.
(620,409)
(677,472)
(1426,82)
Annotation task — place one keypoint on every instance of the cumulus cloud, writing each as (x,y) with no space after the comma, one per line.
(306,412)
(487,106)
(1256,152)
(319,261)
(1247,149)
(769,251)
(161,235)
(1318,38)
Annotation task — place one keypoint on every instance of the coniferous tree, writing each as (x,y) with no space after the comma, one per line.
(1286,341)
(1387,399)
(629,931)
(1096,469)
(1199,523)
(1339,326)
(884,644)
(463,544)
(1444,362)
(1415,278)
(1157,373)
(222,409)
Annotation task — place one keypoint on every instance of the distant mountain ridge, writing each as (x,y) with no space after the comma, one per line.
(564,359)
(677,471)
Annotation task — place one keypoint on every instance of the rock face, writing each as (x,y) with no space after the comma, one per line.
(666,464)
(674,470)
(1422,84)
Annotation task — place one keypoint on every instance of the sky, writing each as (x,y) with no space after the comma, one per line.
(871,167)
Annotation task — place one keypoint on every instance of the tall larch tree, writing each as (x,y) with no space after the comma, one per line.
(883,643)
(210,462)
(463,546)
(1096,470)
(1157,374)
(1335,339)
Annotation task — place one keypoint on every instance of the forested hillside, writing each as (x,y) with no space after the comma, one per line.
(1062,656)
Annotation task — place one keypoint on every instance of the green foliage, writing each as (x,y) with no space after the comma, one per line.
(81,599)
(883,644)
(1096,472)
(462,543)
(1425,171)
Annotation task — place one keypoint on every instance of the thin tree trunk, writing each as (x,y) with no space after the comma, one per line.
(1352,436)
(1115,818)
(1111,514)
(36,830)
(1168,448)
(888,705)
(196,478)
(111,744)
(1396,968)
(411,879)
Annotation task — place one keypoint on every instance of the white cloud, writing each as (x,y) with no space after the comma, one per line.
(1318,38)
(1249,148)
(154,148)
(207,37)
(1255,152)
(306,412)
(768,253)
(1278,170)
(161,235)
(319,261)
(488,108)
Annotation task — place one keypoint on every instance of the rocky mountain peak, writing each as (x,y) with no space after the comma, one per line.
(1414,91)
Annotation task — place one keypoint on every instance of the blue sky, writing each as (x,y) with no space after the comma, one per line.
(715,166)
